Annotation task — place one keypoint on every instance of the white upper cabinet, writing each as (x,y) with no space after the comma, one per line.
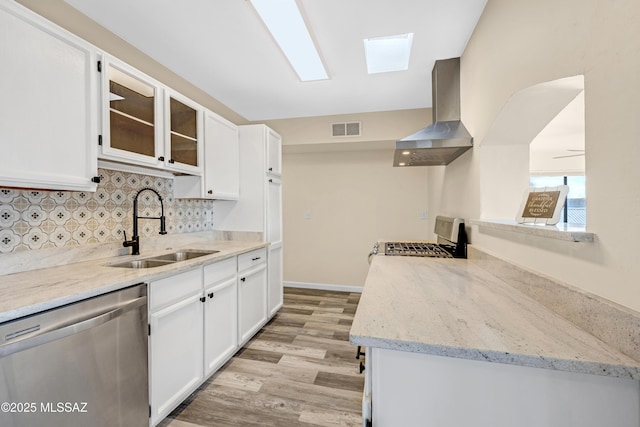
(221,175)
(48,113)
(147,124)
(131,120)
(183,133)
(222,158)
(274,153)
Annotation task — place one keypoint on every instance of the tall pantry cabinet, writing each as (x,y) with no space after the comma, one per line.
(259,208)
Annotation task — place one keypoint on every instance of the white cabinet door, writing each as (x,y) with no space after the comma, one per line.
(183,126)
(274,235)
(222,158)
(252,304)
(176,354)
(274,152)
(221,180)
(131,115)
(274,210)
(48,113)
(220,324)
(275,290)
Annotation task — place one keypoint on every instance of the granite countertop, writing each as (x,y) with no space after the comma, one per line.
(33,291)
(454,308)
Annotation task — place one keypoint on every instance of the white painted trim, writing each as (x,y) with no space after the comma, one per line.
(124,167)
(323,286)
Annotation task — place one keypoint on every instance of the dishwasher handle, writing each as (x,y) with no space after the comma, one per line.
(46,336)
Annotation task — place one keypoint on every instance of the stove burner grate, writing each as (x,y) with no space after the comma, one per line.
(418,249)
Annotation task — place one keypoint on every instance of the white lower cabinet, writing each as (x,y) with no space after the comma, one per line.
(220,314)
(197,321)
(252,293)
(175,341)
(416,389)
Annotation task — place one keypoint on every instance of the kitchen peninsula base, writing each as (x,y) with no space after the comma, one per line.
(411,389)
(448,344)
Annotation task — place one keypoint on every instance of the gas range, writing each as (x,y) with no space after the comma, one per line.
(450,232)
(419,249)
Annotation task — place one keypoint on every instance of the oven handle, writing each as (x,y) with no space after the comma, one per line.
(40,337)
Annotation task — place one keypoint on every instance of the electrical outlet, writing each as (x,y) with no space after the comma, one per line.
(207,216)
(307,215)
(423,215)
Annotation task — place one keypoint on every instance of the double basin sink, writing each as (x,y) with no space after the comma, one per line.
(160,260)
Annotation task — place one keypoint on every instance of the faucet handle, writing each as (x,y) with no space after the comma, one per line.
(163,227)
(125,234)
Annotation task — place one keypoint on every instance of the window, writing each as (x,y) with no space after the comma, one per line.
(575,212)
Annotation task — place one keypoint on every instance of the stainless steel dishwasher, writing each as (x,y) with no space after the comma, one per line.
(83,364)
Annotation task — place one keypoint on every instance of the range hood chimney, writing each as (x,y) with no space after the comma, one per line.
(447,138)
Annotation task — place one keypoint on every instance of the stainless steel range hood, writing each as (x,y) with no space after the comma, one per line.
(447,138)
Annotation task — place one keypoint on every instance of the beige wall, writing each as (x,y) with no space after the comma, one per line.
(520,43)
(386,126)
(354,198)
(352,192)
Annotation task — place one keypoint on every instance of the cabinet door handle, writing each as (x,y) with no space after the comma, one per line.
(362,367)
(210,192)
(255,259)
(161,158)
(172,161)
(211,295)
(202,299)
(243,279)
(270,169)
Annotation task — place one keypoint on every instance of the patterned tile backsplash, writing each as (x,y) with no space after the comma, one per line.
(38,219)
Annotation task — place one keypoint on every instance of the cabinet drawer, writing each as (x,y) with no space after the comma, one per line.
(220,270)
(174,288)
(252,258)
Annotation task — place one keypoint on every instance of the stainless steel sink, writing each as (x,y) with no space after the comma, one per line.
(184,255)
(142,263)
(166,259)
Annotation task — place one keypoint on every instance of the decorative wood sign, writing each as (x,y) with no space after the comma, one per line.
(543,205)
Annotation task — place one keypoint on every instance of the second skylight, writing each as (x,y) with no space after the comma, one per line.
(386,54)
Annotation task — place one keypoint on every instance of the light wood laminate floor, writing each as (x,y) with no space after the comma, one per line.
(299,370)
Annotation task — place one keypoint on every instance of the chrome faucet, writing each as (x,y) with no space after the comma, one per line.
(135,241)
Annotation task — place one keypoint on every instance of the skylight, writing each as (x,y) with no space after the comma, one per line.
(283,19)
(385,54)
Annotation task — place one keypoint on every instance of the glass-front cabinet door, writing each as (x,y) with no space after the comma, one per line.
(183,134)
(131,118)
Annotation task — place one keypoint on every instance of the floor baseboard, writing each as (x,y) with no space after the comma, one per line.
(323,286)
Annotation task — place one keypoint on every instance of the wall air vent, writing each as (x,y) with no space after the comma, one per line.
(345,129)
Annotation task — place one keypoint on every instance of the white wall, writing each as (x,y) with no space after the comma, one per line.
(518,44)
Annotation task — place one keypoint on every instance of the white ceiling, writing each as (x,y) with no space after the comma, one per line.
(222,47)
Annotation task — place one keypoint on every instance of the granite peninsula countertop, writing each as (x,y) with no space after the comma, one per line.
(33,291)
(454,308)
